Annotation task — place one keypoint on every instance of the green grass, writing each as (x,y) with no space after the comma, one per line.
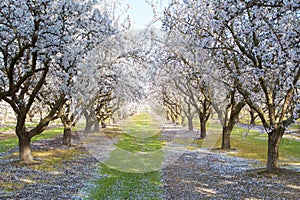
(8,144)
(295,126)
(135,144)
(119,180)
(13,142)
(255,145)
(7,128)
(121,185)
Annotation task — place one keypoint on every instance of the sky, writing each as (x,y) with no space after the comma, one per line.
(141,12)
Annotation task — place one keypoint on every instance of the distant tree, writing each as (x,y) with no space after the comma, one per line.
(213,85)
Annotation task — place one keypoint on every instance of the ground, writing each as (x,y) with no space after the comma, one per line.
(196,174)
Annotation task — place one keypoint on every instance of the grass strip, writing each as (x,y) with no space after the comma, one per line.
(118,184)
(7,144)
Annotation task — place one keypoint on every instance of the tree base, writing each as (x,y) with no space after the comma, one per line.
(69,145)
(223,150)
(30,162)
(271,171)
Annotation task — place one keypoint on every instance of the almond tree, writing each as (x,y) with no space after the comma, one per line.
(257,42)
(260,41)
(215,87)
(23,67)
(31,48)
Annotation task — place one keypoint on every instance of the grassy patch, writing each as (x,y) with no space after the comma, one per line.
(50,159)
(254,145)
(116,184)
(133,154)
(53,159)
(7,128)
(112,131)
(12,142)
(135,144)
(5,136)
(8,144)
(295,126)
(48,134)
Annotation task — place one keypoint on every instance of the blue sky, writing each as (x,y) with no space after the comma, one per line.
(141,12)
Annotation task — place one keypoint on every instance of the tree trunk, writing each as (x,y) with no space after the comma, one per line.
(190,123)
(182,120)
(96,125)
(226,138)
(88,125)
(274,139)
(103,125)
(168,115)
(173,119)
(67,135)
(252,116)
(24,149)
(203,127)
(24,141)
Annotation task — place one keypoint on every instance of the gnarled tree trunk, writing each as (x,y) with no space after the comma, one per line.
(274,139)
(67,137)
(190,123)
(203,118)
(103,124)
(24,149)
(24,141)
(88,126)
(203,127)
(226,137)
(182,120)
(97,125)
(252,116)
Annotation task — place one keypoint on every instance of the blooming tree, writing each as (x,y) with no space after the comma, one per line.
(207,86)
(257,43)
(261,39)
(191,80)
(40,42)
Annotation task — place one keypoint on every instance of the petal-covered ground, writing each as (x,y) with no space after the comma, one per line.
(197,174)
(207,175)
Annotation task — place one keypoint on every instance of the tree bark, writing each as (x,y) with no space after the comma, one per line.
(24,149)
(203,127)
(89,122)
(190,123)
(103,125)
(24,141)
(88,126)
(67,137)
(96,125)
(274,139)
(226,138)
(168,115)
(252,116)
(173,119)
(182,120)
